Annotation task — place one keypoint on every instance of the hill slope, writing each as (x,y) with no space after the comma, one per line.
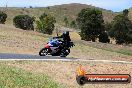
(14,40)
(59,11)
(130,13)
(71,10)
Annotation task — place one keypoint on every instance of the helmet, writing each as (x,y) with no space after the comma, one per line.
(66,33)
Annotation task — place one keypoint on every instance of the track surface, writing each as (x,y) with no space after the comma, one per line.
(7,56)
(28,56)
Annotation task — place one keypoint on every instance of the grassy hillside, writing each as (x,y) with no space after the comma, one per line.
(59,11)
(130,13)
(65,72)
(12,77)
(71,10)
(31,74)
(14,40)
(44,74)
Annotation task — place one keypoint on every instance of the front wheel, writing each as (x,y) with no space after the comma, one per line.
(43,52)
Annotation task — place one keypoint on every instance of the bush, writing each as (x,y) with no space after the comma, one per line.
(91,23)
(24,22)
(65,20)
(3,17)
(73,24)
(104,38)
(121,29)
(45,24)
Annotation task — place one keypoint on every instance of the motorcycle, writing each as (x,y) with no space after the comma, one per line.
(56,47)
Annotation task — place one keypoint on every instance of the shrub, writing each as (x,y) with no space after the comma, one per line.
(65,20)
(45,24)
(73,24)
(104,38)
(24,22)
(3,17)
(122,28)
(91,23)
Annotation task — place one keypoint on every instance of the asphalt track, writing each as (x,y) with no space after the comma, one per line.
(29,57)
(8,56)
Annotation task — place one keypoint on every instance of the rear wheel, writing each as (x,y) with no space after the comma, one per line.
(64,53)
(43,52)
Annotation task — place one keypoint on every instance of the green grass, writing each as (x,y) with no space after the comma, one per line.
(125,52)
(11,77)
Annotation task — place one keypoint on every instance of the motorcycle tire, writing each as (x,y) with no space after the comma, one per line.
(43,52)
(64,53)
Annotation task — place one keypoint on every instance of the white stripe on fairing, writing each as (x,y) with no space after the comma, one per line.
(83,60)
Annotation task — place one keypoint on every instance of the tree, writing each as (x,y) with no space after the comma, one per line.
(45,24)
(91,23)
(73,24)
(24,22)
(47,7)
(3,17)
(44,15)
(31,7)
(121,29)
(125,12)
(103,37)
(66,21)
(108,26)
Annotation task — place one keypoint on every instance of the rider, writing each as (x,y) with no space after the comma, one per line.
(66,38)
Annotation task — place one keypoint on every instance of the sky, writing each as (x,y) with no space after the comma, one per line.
(114,5)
